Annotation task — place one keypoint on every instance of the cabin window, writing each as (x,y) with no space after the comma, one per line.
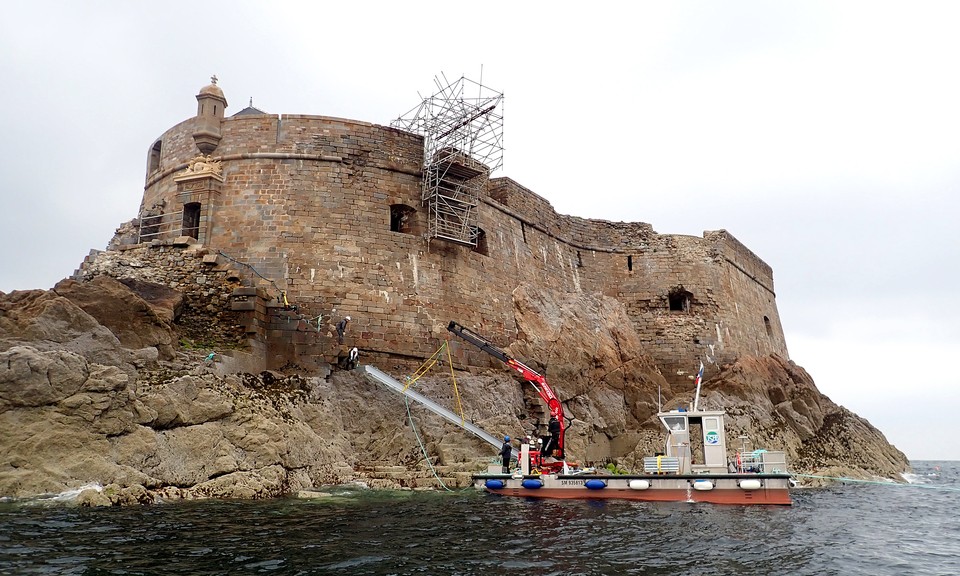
(679,299)
(154,163)
(191,220)
(675,423)
(401,218)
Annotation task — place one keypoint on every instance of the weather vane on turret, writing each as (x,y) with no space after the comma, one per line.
(213,79)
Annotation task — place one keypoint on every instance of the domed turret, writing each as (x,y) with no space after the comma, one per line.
(211,104)
(212,90)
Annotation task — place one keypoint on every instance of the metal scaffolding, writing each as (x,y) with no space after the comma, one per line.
(462,129)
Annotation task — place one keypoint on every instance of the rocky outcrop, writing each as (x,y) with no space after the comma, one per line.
(49,322)
(139,314)
(93,389)
(66,422)
(775,404)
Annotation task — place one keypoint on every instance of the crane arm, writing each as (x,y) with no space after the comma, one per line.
(536,379)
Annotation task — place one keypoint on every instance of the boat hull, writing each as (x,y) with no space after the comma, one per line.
(716,489)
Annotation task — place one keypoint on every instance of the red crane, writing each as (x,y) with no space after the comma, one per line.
(536,379)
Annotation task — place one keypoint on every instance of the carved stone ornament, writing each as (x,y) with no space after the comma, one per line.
(203,165)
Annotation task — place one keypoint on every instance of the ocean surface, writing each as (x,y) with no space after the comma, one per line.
(852,528)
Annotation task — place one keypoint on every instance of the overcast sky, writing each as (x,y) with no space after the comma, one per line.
(823,135)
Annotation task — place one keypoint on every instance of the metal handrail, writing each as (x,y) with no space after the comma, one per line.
(161,226)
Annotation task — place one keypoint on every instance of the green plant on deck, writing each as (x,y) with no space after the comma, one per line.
(616,470)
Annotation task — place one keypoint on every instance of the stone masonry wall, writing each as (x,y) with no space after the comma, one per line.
(305,207)
(206,320)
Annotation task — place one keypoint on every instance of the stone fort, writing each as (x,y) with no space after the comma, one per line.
(309,219)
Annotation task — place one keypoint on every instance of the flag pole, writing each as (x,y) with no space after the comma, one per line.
(696,397)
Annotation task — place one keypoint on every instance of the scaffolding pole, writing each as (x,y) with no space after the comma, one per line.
(462,129)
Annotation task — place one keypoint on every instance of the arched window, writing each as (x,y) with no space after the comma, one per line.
(154,163)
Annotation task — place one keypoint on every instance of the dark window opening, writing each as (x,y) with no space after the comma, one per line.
(579,260)
(630,263)
(766,324)
(523,232)
(191,220)
(680,299)
(481,247)
(401,218)
(155,156)
(214,109)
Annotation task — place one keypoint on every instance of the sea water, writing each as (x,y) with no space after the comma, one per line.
(850,528)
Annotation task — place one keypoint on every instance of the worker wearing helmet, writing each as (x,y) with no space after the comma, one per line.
(506,451)
(342,328)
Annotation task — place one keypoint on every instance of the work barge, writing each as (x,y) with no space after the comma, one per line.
(694,465)
(755,477)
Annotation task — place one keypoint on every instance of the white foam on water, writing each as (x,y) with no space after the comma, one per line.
(916,478)
(68,495)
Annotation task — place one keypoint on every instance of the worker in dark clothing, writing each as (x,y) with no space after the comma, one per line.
(506,452)
(551,444)
(342,328)
(353,358)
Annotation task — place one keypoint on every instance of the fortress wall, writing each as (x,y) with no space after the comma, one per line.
(306,202)
(248,134)
(710,268)
(741,257)
(748,283)
(375,145)
(177,147)
(582,233)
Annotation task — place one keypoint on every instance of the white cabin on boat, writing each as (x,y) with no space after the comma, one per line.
(697,440)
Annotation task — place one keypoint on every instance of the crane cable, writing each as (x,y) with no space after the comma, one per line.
(427,365)
(424,368)
(423,449)
(411,380)
(456,393)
